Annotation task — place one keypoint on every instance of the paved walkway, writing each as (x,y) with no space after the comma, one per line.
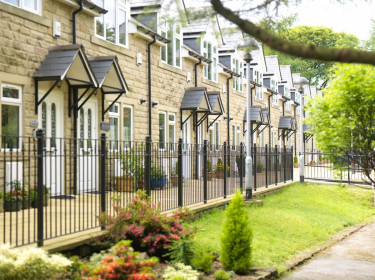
(352,258)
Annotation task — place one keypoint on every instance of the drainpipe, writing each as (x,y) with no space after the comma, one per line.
(74,20)
(269,117)
(283,116)
(251,124)
(228,119)
(149,83)
(196,72)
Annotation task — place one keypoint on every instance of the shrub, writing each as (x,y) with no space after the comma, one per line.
(30,263)
(181,251)
(202,260)
(221,275)
(121,262)
(295,159)
(180,271)
(236,238)
(142,222)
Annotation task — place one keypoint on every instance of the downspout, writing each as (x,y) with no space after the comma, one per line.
(283,116)
(228,119)
(196,118)
(149,83)
(74,20)
(251,124)
(196,72)
(269,117)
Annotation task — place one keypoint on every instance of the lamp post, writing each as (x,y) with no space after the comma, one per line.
(301,81)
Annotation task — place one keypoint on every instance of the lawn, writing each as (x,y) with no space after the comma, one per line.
(298,218)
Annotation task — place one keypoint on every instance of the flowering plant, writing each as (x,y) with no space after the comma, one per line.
(142,222)
(14,195)
(34,192)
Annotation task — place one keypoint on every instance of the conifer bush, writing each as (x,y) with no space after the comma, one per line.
(236,237)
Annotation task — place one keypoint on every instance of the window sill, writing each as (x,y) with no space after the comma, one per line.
(170,68)
(25,14)
(110,46)
(208,82)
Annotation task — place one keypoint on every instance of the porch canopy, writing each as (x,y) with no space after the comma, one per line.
(216,106)
(258,116)
(110,78)
(196,101)
(287,126)
(306,132)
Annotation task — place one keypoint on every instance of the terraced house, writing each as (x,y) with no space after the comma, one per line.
(130,69)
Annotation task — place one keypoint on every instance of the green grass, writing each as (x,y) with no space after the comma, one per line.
(297,218)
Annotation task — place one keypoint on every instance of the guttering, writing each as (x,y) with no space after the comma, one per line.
(196,72)
(74,21)
(149,83)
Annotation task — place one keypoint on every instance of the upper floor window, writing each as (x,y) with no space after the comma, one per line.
(274,99)
(171,54)
(274,85)
(34,6)
(237,67)
(113,25)
(11,97)
(210,70)
(288,105)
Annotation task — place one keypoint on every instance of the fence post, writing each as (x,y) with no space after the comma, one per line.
(148,165)
(180,178)
(276,164)
(284,164)
(255,164)
(292,166)
(205,171)
(349,170)
(102,172)
(241,167)
(225,169)
(266,148)
(40,196)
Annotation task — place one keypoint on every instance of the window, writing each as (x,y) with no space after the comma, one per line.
(113,25)
(171,54)
(211,138)
(210,70)
(162,130)
(238,138)
(259,90)
(11,97)
(233,137)
(171,131)
(261,139)
(273,139)
(127,125)
(114,117)
(275,99)
(33,6)
(237,68)
(217,135)
(288,105)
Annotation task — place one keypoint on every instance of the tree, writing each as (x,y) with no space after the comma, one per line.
(343,120)
(286,46)
(370,44)
(315,71)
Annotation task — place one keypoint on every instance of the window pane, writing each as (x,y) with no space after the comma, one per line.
(122,26)
(89,128)
(53,125)
(233,137)
(11,93)
(217,135)
(113,133)
(114,109)
(110,18)
(127,125)
(211,135)
(13,2)
(161,131)
(30,4)
(170,45)
(178,63)
(81,127)
(164,49)
(171,135)
(171,118)
(10,125)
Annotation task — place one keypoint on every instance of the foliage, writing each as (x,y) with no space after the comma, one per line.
(370,44)
(175,169)
(34,192)
(343,120)
(121,263)
(180,271)
(314,70)
(219,165)
(132,163)
(237,237)
(13,195)
(181,251)
(30,263)
(294,220)
(295,159)
(142,222)
(202,260)
(1,195)
(209,166)
(221,275)
(157,171)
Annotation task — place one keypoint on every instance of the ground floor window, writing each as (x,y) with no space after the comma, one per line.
(171,130)
(114,119)
(127,125)
(162,130)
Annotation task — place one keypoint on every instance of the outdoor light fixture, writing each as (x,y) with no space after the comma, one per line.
(154,104)
(142,101)
(247,46)
(300,82)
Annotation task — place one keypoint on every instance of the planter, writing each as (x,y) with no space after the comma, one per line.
(312,162)
(25,202)
(158,183)
(174,180)
(12,206)
(210,175)
(124,184)
(295,165)
(219,174)
(33,203)
(141,185)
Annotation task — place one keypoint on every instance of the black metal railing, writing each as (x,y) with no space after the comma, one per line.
(64,184)
(334,167)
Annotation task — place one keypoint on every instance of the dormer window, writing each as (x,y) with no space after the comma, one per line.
(210,71)
(237,67)
(171,54)
(113,26)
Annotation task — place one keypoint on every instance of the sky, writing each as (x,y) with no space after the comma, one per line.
(354,16)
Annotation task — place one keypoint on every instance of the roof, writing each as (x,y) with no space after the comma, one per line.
(67,62)
(232,37)
(108,74)
(271,63)
(255,114)
(215,102)
(196,98)
(286,73)
(200,20)
(285,122)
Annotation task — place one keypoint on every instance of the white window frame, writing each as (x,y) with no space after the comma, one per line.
(234,136)
(214,57)
(165,130)
(172,123)
(22,6)
(115,115)
(217,135)
(237,67)
(122,7)
(211,132)
(13,102)
(131,124)
(166,25)
(238,136)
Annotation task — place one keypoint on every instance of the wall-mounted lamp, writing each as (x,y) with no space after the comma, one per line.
(154,104)
(142,101)
(231,119)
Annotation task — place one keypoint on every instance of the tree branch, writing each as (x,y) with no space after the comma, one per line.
(276,43)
